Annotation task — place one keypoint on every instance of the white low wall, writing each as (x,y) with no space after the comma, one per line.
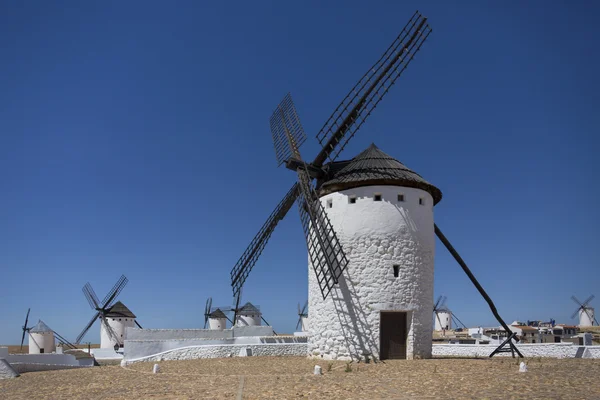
(59,359)
(134,349)
(223,351)
(170,334)
(553,350)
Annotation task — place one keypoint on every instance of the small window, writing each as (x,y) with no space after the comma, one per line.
(377,197)
(119,319)
(330,203)
(400,197)
(351,199)
(396,270)
(421,201)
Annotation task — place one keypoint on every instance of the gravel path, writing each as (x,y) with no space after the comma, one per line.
(291,377)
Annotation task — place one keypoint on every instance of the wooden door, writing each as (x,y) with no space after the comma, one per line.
(392,334)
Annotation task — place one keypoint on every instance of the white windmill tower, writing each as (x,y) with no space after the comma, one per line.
(248,315)
(368,225)
(442,315)
(585,312)
(41,339)
(114,317)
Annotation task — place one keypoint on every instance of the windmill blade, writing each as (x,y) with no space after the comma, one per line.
(237,306)
(304,308)
(207,311)
(360,102)
(299,323)
(114,292)
(324,249)
(576,300)
(25,328)
(437,303)
(458,320)
(87,327)
(90,295)
(138,324)
(242,268)
(576,312)
(286,129)
(477,285)
(65,341)
(443,304)
(586,301)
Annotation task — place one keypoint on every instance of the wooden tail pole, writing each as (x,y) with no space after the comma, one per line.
(487,298)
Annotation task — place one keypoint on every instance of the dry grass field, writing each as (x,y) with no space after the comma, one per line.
(291,377)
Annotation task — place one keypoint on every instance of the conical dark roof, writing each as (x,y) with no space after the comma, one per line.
(119,310)
(217,314)
(249,308)
(373,167)
(40,327)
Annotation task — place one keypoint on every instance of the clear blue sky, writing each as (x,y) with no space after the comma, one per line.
(134,139)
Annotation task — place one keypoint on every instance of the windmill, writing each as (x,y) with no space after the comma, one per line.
(327,256)
(215,317)
(41,337)
(302,315)
(112,331)
(442,314)
(585,312)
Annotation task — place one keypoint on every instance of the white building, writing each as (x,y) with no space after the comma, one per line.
(41,339)
(443,320)
(118,318)
(248,315)
(586,317)
(382,213)
(217,320)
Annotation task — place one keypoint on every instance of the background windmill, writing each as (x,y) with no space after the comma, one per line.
(215,317)
(41,337)
(326,255)
(585,312)
(302,316)
(111,331)
(442,315)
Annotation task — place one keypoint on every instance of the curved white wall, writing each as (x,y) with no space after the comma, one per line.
(118,325)
(586,318)
(304,324)
(217,323)
(247,320)
(443,320)
(41,340)
(375,236)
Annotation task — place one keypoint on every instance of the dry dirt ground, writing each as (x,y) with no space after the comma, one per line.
(291,377)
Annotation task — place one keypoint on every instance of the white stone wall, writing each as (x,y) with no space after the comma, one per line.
(552,350)
(375,236)
(222,351)
(41,340)
(118,325)
(442,320)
